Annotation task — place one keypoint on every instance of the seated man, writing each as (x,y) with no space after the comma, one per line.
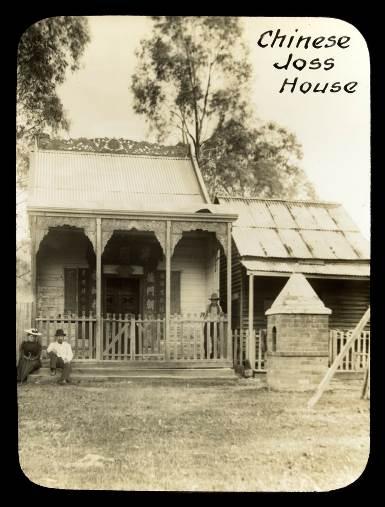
(60,354)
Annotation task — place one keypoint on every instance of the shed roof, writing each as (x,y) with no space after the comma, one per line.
(272,235)
(90,180)
(327,268)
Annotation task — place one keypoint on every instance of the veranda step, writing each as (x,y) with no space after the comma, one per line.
(148,364)
(97,371)
(102,374)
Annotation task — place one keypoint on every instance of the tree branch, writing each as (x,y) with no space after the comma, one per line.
(206,94)
(184,127)
(191,74)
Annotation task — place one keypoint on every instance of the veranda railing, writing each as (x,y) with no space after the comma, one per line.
(190,337)
(80,331)
(129,337)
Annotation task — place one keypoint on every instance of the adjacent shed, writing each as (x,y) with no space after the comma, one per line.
(273,238)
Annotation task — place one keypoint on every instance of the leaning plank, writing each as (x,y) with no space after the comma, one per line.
(118,334)
(366,387)
(333,368)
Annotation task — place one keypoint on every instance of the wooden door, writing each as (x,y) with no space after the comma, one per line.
(122,296)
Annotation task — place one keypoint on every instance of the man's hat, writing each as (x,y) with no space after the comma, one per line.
(33,331)
(60,332)
(214,297)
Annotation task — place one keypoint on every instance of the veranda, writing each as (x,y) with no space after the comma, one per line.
(133,289)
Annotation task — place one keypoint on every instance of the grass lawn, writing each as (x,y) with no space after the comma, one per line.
(168,436)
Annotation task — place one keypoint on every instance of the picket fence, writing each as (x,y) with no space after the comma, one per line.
(356,359)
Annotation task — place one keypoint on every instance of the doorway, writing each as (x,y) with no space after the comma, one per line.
(122,295)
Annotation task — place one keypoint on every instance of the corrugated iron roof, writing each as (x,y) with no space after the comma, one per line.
(341,269)
(93,180)
(295,230)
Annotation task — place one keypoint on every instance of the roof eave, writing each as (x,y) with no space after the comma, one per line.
(263,199)
(37,210)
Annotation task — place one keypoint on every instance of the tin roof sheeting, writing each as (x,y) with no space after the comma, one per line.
(247,241)
(261,214)
(322,218)
(281,215)
(328,245)
(271,243)
(340,269)
(245,216)
(302,216)
(294,243)
(93,179)
(295,229)
(342,219)
(359,243)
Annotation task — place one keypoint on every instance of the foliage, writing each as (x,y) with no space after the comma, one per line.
(46,50)
(248,162)
(191,75)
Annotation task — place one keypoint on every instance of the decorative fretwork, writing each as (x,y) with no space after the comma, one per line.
(109,225)
(112,145)
(177,229)
(43,224)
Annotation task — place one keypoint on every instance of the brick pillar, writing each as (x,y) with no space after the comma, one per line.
(297,338)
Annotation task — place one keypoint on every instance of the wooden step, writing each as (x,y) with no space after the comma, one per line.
(144,365)
(122,374)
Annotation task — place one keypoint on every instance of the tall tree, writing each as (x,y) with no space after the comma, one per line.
(263,161)
(193,75)
(47,49)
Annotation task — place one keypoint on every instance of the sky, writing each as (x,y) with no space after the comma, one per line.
(333,128)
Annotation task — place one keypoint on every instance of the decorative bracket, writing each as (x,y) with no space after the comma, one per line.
(177,229)
(109,225)
(44,223)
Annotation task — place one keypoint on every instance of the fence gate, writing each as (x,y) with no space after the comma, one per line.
(128,338)
(190,337)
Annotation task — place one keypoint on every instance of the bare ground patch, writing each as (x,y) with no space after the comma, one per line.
(169,436)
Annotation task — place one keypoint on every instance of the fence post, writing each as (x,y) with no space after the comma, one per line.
(249,341)
(98,252)
(132,338)
(259,360)
(229,348)
(235,344)
(168,287)
(252,349)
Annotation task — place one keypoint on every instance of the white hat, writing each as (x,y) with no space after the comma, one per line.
(33,331)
